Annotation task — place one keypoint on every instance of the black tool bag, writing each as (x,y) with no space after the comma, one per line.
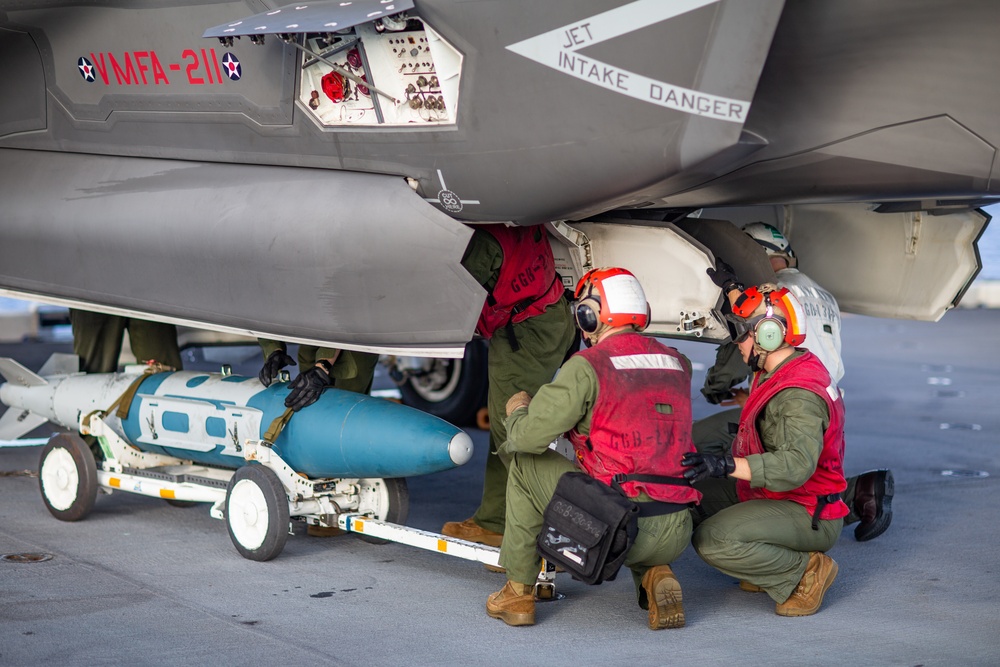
(588,528)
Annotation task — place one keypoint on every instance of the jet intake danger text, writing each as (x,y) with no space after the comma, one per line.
(577,37)
(560,49)
(661,93)
(657,92)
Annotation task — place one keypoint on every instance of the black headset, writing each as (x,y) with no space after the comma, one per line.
(586,312)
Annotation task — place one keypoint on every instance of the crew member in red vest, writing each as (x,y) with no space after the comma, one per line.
(527,322)
(776,508)
(625,403)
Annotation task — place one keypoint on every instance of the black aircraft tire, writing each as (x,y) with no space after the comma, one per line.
(257,513)
(458,390)
(67,477)
(386,500)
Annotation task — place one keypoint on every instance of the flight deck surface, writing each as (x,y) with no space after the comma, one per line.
(145,583)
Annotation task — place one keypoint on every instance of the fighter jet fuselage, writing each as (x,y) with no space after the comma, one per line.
(332,150)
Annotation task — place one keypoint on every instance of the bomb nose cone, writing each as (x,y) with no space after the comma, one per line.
(460,448)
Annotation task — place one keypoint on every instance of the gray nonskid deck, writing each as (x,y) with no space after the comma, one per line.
(142,582)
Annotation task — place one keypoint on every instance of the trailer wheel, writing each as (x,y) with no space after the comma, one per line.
(257,513)
(67,477)
(383,499)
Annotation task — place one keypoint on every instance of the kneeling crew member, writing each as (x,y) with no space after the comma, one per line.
(778,507)
(626,405)
(868,495)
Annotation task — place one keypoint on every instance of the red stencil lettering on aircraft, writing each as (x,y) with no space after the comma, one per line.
(144,68)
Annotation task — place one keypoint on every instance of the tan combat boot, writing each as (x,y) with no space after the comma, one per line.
(470,531)
(664,594)
(807,597)
(514,604)
(750,588)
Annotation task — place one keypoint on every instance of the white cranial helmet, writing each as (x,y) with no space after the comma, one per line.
(774,242)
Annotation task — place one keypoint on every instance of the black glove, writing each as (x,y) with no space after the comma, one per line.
(703,466)
(724,276)
(306,388)
(274,363)
(716,397)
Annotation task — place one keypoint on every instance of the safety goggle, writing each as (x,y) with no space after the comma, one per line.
(739,328)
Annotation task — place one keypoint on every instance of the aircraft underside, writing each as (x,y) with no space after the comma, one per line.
(309,172)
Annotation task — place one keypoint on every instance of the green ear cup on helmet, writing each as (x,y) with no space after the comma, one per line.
(770,334)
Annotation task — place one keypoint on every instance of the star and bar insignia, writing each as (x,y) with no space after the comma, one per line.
(86,69)
(231,66)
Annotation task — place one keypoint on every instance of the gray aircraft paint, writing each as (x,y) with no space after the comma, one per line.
(558,49)
(854,102)
(233,259)
(492,155)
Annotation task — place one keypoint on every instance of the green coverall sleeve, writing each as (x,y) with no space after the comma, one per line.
(558,406)
(345,366)
(483,258)
(728,371)
(791,431)
(267,346)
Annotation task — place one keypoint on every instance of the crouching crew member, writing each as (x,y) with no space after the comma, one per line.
(868,495)
(626,405)
(777,508)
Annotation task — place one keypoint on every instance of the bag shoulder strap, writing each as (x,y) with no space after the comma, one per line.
(621,478)
(656,507)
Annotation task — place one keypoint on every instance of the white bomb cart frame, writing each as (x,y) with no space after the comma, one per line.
(257,501)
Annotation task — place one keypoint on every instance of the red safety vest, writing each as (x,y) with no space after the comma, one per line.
(641,422)
(527,283)
(805,372)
